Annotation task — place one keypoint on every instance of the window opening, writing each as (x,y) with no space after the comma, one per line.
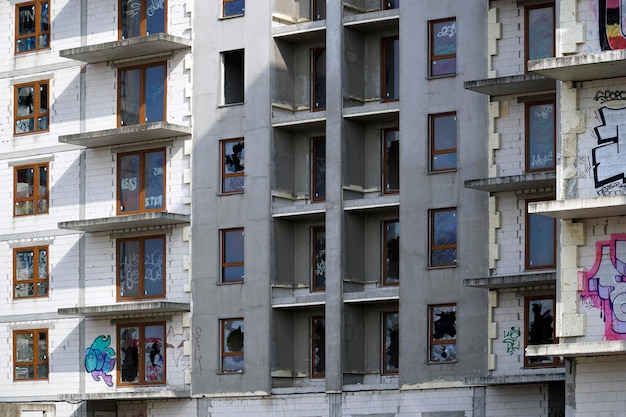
(142,17)
(233,8)
(31,108)
(391,160)
(318,165)
(442,47)
(318,258)
(232,77)
(142,94)
(233,164)
(540,240)
(141,268)
(141,351)
(318,347)
(30,272)
(232,255)
(232,337)
(539,319)
(391,342)
(319,78)
(141,181)
(540,136)
(30,354)
(391,69)
(443,142)
(31,190)
(443,235)
(32,26)
(391,255)
(442,333)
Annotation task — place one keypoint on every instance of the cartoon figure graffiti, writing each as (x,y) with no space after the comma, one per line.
(99,359)
(605,286)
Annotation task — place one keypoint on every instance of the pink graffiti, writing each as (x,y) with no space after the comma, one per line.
(604,286)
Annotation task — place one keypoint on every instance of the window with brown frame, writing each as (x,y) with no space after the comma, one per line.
(141,181)
(141,268)
(391,254)
(443,233)
(442,47)
(30,272)
(318,64)
(391,160)
(141,351)
(318,9)
(31,190)
(539,32)
(442,329)
(318,258)
(232,241)
(233,84)
(391,342)
(233,163)
(391,4)
(232,350)
(390,83)
(540,240)
(31,108)
(540,136)
(30,355)
(539,329)
(318,169)
(318,347)
(233,8)
(141,94)
(32,26)
(442,141)
(142,18)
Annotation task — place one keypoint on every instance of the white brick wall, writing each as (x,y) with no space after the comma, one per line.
(600,386)
(517,401)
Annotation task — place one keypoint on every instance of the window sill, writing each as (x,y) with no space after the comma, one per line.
(220,283)
(231,17)
(442,362)
(221,106)
(430,267)
(221,194)
(230,373)
(436,77)
(443,171)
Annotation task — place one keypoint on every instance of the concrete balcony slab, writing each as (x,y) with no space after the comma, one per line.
(126,135)
(581,208)
(613,347)
(129,221)
(514,182)
(599,65)
(125,308)
(135,393)
(511,281)
(530,378)
(514,84)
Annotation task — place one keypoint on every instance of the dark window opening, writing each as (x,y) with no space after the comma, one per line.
(442,142)
(319,9)
(442,325)
(318,166)
(319,78)
(318,347)
(443,237)
(233,165)
(233,77)
(442,47)
(318,258)
(391,4)
(391,160)
(232,340)
(391,342)
(391,69)
(232,255)
(539,317)
(391,255)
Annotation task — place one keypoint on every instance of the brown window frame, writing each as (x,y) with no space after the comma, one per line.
(223,250)
(432,139)
(313,339)
(225,16)
(385,253)
(315,141)
(36,114)
(383,353)
(142,92)
(527,263)
(141,363)
(141,268)
(314,57)
(142,182)
(436,342)
(38,32)
(387,189)
(527,10)
(37,361)
(555,360)
(36,280)
(383,68)
(36,199)
(225,354)
(314,257)
(226,176)
(431,49)
(143,26)
(527,135)
(431,235)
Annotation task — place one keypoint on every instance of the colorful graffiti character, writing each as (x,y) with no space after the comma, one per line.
(612,24)
(605,286)
(99,359)
(608,161)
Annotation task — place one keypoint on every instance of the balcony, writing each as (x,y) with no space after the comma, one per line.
(599,65)
(515,84)
(126,135)
(513,182)
(511,281)
(130,221)
(146,308)
(581,208)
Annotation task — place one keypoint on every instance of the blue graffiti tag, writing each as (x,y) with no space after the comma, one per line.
(100,360)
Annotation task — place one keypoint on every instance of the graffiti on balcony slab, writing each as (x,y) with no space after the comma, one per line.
(608,95)
(612,24)
(100,359)
(604,286)
(609,156)
(511,340)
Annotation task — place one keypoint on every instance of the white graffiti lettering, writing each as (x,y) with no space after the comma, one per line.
(157,171)
(608,162)
(449,31)
(133,8)
(156,201)
(129,184)
(154,6)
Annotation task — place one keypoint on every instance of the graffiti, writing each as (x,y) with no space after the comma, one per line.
(511,340)
(175,346)
(605,286)
(608,95)
(100,360)
(133,8)
(607,161)
(611,25)
(154,6)
(448,31)
(197,355)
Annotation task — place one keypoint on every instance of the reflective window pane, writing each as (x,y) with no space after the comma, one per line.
(319,169)
(129,182)
(129,344)
(391,65)
(155,89)
(154,180)
(129,258)
(131,13)
(234,7)
(153,268)
(392,160)
(540,136)
(392,252)
(154,354)
(130,97)
(319,79)
(540,35)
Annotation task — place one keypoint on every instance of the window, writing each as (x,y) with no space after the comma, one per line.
(232,77)
(318,168)
(391,255)
(30,272)
(540,136)
(141,350)
(540,241)
(32,26)
(442,47)
(442,142)
(232,255)
(442,323)
(391,342)
(539,32)
(391,160)
(232,345)
(233,8)
(141,181)
(391,4)
(142,17)
(141,94)
(318,258)
(318,348)
(233,163)
(318,9)
(30,354)
(539,326)
(318,59)
(443,237)
(31,190)
(141,268)
(31,108)
(391,69)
